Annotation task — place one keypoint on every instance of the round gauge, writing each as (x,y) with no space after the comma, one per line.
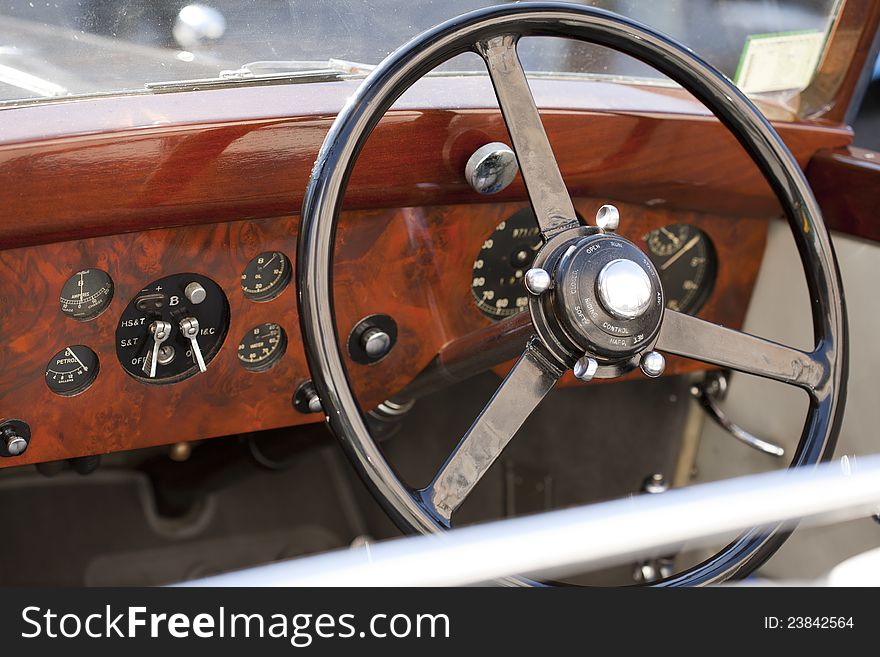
(686,261)
(86,294)
(266,276)
(72,370)
(172,329)
(262,347)
(503,260)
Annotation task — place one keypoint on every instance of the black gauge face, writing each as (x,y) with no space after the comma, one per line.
(497,282)
(72,370)
(266,276)
(172,329)
(685,259)
(262,347)
(86,294)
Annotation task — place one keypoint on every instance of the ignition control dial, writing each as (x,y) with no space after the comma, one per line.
(172,329)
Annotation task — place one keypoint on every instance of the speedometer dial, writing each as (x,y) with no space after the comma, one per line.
(685,259)
(497,281)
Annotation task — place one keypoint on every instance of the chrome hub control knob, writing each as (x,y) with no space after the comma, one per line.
(625,289)
(608,218)
(585,368)
(653,363)
(537,281)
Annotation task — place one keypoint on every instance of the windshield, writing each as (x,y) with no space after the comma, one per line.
(80,47)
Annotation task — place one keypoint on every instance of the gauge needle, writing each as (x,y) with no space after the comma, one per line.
(670,235)
(266,264)
(687,247)
(70,351)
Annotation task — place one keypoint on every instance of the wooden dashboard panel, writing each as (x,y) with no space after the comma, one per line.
(413,264)
(142,162)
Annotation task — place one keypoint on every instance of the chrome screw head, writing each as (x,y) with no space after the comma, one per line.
(653,363)
(608,218)
(537,281)
(585,368)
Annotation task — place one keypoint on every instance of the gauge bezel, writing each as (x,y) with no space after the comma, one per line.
(90,376)
(526,216)
(272,359)
(278,287)
(94,313)
(710,269)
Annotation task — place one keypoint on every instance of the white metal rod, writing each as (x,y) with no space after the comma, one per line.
(588,537)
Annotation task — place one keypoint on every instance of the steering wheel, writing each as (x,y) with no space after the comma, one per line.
(595,300)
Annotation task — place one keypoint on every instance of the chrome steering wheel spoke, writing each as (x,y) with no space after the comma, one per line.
(527,383)
(546,189)
(691,337)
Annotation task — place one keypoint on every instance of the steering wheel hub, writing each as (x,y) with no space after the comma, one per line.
(608,298)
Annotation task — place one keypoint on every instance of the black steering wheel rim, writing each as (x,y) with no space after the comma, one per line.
(412,61)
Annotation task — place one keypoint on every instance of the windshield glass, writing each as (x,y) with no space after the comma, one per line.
(78,47)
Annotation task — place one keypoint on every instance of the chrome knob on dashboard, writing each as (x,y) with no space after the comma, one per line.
(14,437)
(625,289)
(195,292)
(15,444)
(491,168)
(375,342)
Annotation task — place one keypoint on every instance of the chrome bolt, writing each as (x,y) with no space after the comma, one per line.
(375,342)
(608,218)
(585,369)
(653,363)
(537,281)
(656,483)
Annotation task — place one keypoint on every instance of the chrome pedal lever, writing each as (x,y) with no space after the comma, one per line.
(712,389)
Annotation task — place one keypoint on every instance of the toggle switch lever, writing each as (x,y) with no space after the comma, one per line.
(189,327)
(161,331)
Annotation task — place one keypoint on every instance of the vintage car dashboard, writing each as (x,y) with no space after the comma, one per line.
(137,339)
(147,293)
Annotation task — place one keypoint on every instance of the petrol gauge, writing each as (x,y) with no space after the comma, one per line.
(497,276)
(86,294)
(685,259)
(266,276)
(72,370)
(262,347)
